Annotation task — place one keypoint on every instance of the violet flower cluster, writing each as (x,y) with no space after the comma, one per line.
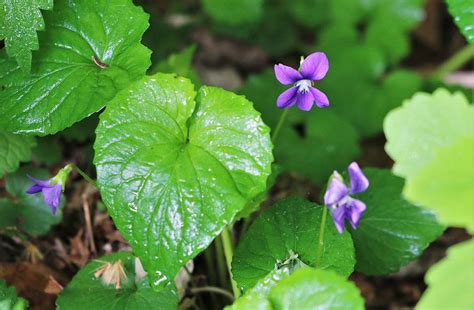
(338,197)
(303,94)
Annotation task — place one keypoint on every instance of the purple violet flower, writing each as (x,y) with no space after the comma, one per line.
(312,68)
(51,192)
(337,197)
(51,188)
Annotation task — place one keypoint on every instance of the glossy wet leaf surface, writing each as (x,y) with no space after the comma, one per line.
(28,212)
(450,280)
(424,124)
(310,288)
(86,291)
(392,231)
(175,168)
(290,229)
(13,150)
(19,21)
(446,184)
(87,54)
(463,14)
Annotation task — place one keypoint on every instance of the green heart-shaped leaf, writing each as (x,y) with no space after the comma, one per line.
(446,184)
(89,51)
(13,150)
(89,290)
(288,233)
(425,123)
(19,21)
(392,232)
(174,169)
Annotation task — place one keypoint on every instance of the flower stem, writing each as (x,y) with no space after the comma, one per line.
(321,238)
(279,125)
(221,265)
(85,176)
(228,252)
(454,63)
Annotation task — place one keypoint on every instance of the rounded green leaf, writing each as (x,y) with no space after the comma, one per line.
(174,169)
(310,288)
(29,212)
(422,125)
(13,150)
(19,21)
(86,291)
(89,51)
(392,231)
(289,231)
(446,184)
(450,281)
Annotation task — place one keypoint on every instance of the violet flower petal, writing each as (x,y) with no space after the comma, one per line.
(39,182)
(35,188)
(359,182)
(305,100)
(52,197)
(354,211)
(335,191)
(315,66)
(338,217)
(286,75)
(320,98)
(287,98)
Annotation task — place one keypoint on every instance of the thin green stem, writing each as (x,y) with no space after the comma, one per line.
(279,125)
(454,63)
(321,237)
(212,289)
(229,252)
(85,176)
(221,265)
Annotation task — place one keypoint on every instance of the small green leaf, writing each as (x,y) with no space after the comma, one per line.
(309,288)
(13,150)
(257,297)
(180,64)
(463,13)
(29,212)
(392,232)
(174,169)
(19,21)
(234,12)
(450,281)
(86,291)
(289,232)
(9,299)
(422,125)
(446,184)
(87,54)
